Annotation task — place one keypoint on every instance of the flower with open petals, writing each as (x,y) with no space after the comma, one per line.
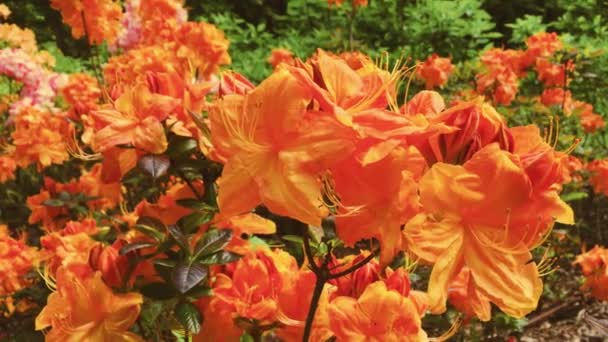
(136,119)
(86,309)
(486,214)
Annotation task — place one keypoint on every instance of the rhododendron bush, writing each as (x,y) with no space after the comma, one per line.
(156,193)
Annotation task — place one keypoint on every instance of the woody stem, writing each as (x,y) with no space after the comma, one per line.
(323,274)
(314,303)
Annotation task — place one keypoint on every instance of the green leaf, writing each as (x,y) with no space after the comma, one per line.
(135,246)
(220,258)
(187,276)
(179,237)
(574,196)
(293,238)
(155,165)
(246,338)
(213,241)
(158,290)
(189,316)
(193,203)
(151,227)
(190,223)
(54,202)
(181,146)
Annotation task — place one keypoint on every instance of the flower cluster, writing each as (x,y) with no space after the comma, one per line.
(594,265)
(39,84)
(193,201)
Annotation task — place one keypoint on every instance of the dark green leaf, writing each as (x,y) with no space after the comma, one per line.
(213,241)
(189,316)
(200,291)
(179,237)
(151,222)
(293,238)
(190,223)
(220,258)
(181,146)
(160,291)
(187,276)
(195,204)
(54,202)
(155,165)
(135,246)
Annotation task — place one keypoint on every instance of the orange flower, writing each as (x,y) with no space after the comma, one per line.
(501,77)
(69,248)
(4,11)
(135,119)
(132,67)
(594,264)
(16,37)
(429,103)
(7,168)
(166,208)
(478,123)
(485,215)
(379,314)
(107,260)
(543,44)
(553,75)
(589,120)
(40,137)
(557,97)
(82,93)
(98,19)
(572,170)
(232,82)
(272,150)
(280,56)
(242,227)
(435,71)
(203,46)
(16,260)
(294,302)
(253,287)
(381,204)
(86,309)
(598,178)
(464,296)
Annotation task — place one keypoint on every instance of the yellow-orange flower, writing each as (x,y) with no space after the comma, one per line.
(82,93)
(8,166)
(203,45)
(594,265)
(86,309)
(465,297)
(379,314)
(4,11)
(273,152)
(435,71)
(40,137)
(16,260)
(135,119)
(485,215)
(381,205)
(279,56)
(98,19)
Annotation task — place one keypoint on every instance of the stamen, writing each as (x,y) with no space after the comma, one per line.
(74,149)
(49,281)
(450,332)
(412,72)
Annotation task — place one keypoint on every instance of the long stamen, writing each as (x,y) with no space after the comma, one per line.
(450,332)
